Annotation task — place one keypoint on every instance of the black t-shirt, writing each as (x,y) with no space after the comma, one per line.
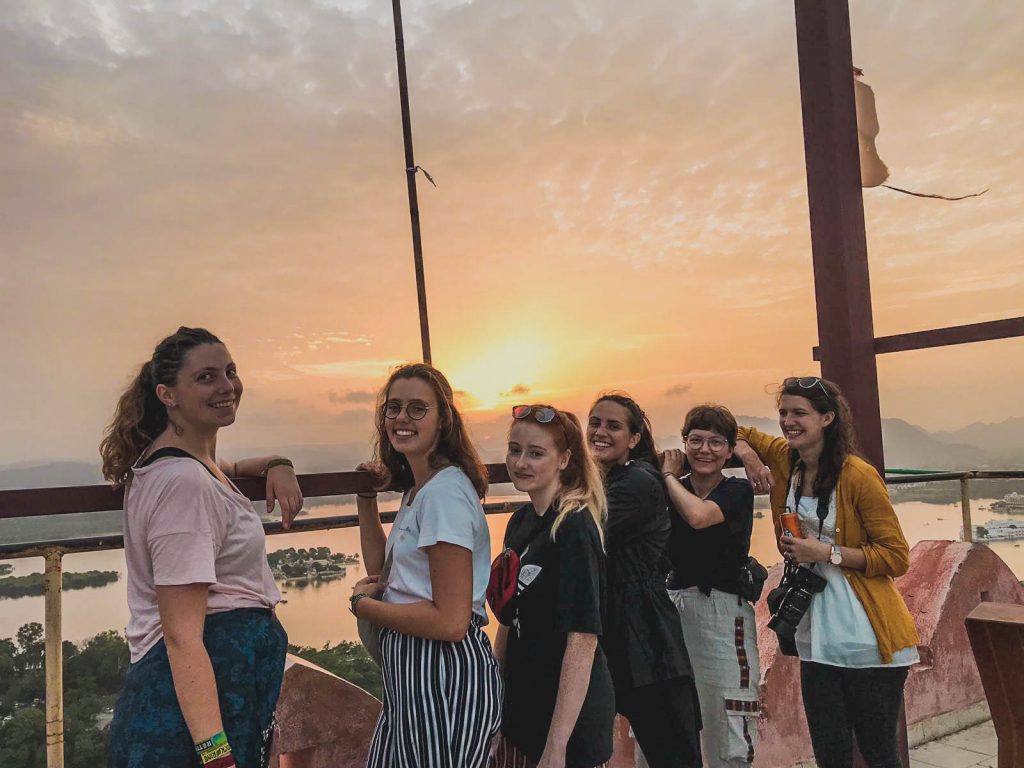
(561,590)
(711,558)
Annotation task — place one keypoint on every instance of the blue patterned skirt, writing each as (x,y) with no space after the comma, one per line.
(247,648)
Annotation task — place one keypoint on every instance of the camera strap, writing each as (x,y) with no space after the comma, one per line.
(821,511)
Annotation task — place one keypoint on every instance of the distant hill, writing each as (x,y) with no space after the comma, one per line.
(1004,440)
(906,445)
(49,475)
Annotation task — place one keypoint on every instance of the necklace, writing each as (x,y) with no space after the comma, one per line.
(704,497)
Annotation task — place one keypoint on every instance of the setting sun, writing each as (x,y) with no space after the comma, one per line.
(501,372)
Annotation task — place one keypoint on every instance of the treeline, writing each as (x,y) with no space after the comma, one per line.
(93,675)
(347,660)
(292,555)
(35,583)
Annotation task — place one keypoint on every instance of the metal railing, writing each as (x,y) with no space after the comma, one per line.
(47,502)
(909,476)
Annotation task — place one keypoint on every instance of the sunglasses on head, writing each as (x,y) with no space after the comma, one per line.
(807,382)
(543,415)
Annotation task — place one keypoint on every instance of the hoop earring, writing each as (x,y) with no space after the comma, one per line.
(179,431)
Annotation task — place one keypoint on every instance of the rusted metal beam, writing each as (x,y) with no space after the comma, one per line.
(944,337)
(838,242)
(839,249)
(965,509)
(302,525)
(41,502)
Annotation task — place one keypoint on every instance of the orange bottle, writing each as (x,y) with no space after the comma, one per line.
(791,524)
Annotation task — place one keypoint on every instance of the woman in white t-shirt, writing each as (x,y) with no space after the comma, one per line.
(207,651)
(442,684)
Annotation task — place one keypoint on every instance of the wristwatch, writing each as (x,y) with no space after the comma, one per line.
(836,558)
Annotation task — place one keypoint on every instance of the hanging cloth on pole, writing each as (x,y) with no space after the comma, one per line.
(873,170)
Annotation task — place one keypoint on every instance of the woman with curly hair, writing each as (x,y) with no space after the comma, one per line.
(442,684)
(857,640)
(207,652)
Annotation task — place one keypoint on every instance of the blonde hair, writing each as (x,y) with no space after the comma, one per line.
(582,484)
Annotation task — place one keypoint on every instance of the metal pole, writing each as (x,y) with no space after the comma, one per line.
(965,509)
(410,177)
(54,662)
(838,242)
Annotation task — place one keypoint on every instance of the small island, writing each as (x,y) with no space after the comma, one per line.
(305,566)
(34,584)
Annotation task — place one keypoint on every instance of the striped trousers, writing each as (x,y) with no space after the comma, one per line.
(442,702)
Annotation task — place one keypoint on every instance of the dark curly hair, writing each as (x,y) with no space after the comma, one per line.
(453,443)
(140,417)
(840,439)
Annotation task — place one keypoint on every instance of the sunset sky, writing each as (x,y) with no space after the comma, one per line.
(621,203)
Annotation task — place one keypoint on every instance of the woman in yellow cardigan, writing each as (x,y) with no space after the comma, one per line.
(857,640)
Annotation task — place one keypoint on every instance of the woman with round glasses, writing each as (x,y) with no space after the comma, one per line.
(559,702)
(644,642)
(857,640)
(442,685)
(709,548)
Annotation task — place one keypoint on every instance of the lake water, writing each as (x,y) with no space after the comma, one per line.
(317,614)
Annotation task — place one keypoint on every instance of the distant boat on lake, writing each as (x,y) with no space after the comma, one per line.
(999,530)
(1011,502)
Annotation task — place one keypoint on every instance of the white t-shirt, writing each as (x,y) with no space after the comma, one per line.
(445,509)
(183,526)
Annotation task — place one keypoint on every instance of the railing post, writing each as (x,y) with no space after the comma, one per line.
(965,509)
(54,662)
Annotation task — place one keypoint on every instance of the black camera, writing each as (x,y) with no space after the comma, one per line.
(789,601)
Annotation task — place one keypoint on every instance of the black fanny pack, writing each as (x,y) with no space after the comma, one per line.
(751,580)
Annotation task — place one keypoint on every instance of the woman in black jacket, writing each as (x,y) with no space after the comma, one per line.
(643,638)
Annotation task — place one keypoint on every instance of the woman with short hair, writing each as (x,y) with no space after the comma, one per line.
(709,548)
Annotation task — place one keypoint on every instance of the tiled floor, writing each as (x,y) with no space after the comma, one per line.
(973,747)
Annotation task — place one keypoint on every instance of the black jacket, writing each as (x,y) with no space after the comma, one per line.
(643,638)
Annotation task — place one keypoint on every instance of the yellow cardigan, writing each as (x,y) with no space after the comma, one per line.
(864,519)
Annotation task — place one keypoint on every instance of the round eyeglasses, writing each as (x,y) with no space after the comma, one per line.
(696,442)
(414,410)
